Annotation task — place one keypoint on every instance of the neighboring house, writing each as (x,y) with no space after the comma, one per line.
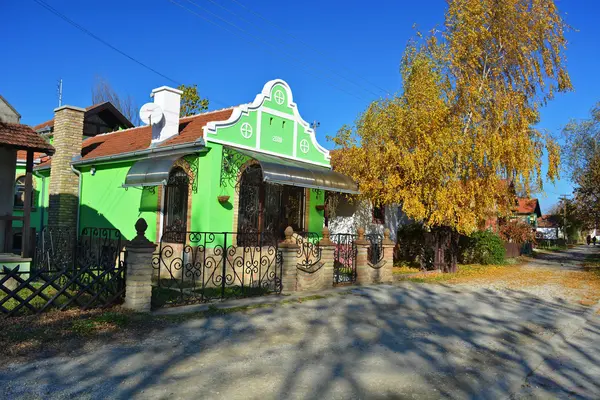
(528,211)
(548,227)
(13,138)
(97,119)
(252,167)
(8,113)
(349,216)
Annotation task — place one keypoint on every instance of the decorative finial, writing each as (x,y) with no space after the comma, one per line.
(325,233)
(386,237)
(140,227)
(289,231)
(361,233)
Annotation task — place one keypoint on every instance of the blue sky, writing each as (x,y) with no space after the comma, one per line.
(348,52)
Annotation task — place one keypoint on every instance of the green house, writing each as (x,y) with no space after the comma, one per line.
(252,167)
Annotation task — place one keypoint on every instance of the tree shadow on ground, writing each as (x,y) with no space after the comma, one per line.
(373,342)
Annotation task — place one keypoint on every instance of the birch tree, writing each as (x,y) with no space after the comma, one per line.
(463,128)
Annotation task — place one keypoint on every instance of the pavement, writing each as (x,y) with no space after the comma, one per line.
(403,341)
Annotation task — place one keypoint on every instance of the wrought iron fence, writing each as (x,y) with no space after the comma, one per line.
(375,251)
(85,272)
(215,265)
(55,249)
(309,251)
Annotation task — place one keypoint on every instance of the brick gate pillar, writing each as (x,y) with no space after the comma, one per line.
(289,270)
(363,270)
(138,283)
(327,258)
(388,257)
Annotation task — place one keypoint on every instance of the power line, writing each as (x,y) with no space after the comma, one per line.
(104,42)
(107,44)
(336,73)
(258,39)
(307,45)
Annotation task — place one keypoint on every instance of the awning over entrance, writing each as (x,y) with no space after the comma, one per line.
(287,172)
(152,171)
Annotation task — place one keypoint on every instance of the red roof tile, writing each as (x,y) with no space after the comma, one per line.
(22,137)
(128,140)
(527,206)
(548,221)
(22,155)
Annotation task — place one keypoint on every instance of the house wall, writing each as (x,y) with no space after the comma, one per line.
(105,204)
(209,215)
(548,233)
(350,216)
(8,160)
(39,213)
(7,114)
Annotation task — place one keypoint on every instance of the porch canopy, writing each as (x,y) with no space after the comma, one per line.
(153,171)
(293,173)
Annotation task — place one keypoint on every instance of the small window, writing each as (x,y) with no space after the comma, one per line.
(19,192)
(378,215)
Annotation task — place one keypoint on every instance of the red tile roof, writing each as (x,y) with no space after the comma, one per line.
(22,137)
(548,221)
(527,206)
(22,155)
(139,138)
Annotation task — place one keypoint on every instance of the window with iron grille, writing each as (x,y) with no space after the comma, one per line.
(176,201)
(378,215)
(268,208)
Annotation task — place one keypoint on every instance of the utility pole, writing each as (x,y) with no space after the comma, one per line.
(564,198)
(59,89)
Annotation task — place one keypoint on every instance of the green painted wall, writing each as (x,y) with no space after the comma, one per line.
(40,204)
(105,204)
(316,218)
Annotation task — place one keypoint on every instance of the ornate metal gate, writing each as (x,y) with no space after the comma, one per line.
(344,260)
(208,266)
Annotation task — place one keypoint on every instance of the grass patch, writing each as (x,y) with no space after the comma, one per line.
(405,269)
(37,301)
(592,261)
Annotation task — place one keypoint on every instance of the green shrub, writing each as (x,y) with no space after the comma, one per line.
(483,247)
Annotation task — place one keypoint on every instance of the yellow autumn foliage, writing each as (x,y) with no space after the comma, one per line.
(463,125)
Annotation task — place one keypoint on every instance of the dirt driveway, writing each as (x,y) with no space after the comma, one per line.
(408,340)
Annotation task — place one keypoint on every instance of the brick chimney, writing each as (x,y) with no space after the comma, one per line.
(64,183)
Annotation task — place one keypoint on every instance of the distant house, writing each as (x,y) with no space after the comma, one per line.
(548,227)
(528,211)
(8,112)
(349,216)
